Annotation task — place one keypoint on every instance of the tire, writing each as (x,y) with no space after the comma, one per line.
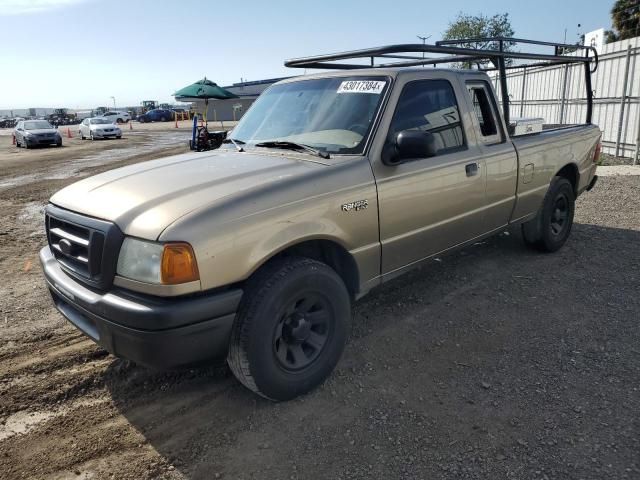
(59,144)
(276,349)
(119,137)
(91,137)
(551,228)
(82,137)
(119,121)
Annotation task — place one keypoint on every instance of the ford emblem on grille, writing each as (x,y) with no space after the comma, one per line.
(65,246)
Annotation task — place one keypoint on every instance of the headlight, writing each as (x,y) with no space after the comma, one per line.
(150,262)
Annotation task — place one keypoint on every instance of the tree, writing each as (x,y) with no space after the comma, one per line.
(474,26)
(625,17)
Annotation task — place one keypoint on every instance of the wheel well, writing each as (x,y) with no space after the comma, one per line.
(330,253)
(570,172)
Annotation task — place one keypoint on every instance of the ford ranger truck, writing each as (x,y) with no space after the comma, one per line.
(330,185)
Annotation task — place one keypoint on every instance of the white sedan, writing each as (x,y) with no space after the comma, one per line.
(98,127)
(117,117)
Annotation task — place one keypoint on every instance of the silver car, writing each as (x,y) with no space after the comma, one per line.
(98,127)
(31,133)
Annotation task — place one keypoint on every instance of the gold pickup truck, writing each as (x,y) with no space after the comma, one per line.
(330,185)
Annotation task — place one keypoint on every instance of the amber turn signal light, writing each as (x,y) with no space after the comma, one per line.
(178,264)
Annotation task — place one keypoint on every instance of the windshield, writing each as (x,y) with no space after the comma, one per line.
(330,114)
(99,121)
(37,125)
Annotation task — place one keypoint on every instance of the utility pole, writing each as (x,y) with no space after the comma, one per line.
(114,102)
(424,42)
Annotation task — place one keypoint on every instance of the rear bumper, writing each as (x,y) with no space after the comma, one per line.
(161,333)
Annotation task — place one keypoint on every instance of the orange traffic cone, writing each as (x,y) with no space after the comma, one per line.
(130,125)
(69,133)
(176,116)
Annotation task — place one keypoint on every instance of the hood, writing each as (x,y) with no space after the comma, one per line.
(143,199)
(40,131)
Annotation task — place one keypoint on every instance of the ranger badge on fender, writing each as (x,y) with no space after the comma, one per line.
(357,205)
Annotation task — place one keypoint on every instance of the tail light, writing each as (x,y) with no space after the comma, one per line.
(598,150)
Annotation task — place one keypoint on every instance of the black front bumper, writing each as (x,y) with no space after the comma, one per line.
(159,332)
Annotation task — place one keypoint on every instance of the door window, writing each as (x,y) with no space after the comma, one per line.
(485,110)
(430,106)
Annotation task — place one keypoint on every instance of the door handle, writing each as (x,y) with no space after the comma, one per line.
(472,169)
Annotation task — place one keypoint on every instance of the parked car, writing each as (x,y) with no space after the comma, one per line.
(157,115)
(331,185)
(98,127)
(32,133)
(117,117)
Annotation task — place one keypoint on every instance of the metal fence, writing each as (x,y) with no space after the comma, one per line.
(557,94)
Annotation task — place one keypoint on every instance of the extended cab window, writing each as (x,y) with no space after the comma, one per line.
(485,111)
(430,106)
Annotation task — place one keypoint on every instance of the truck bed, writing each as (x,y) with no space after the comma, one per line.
(538,155)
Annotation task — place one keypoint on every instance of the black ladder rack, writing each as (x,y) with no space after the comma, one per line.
(450,51)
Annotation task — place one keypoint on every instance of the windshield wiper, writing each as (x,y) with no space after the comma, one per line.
(293,146)
(236,143)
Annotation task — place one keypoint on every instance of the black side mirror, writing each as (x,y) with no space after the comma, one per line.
(409,144)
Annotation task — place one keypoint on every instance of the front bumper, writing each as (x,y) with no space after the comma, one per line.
(32,142)
(161,333)
(107,135)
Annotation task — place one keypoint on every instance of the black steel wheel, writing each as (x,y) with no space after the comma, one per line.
(550,230)
(302,331)
(559,219)
(290,329)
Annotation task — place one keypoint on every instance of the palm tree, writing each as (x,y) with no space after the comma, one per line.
(625,16)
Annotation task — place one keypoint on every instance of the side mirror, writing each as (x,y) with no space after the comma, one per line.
(409,144)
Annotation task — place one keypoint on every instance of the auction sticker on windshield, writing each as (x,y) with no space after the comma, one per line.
(361,86)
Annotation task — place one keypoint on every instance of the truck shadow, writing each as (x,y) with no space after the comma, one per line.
(448,321)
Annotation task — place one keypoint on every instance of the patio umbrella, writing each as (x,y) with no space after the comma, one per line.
(203,89)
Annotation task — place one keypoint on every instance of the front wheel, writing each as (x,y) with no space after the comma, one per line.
(291,328)
(549,231)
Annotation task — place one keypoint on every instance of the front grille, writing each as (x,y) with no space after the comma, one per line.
(85,247)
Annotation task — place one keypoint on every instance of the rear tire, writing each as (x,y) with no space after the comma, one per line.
(549,231)
(291,328)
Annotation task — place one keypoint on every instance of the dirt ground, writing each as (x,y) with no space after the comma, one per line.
(491,363)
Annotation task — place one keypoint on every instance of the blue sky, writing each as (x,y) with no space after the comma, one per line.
(79,53)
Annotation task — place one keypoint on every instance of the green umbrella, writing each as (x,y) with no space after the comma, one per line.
(203,89)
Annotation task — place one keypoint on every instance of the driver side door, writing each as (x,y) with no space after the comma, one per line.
(427,205)
(84,127)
